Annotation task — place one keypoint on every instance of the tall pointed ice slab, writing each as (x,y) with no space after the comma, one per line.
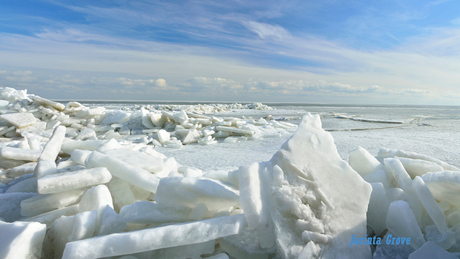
(322,197)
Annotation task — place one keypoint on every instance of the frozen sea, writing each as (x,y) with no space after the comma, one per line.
(429,130)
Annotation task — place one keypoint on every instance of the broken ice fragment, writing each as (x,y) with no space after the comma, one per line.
(19,120)
(73,180)
(155,238)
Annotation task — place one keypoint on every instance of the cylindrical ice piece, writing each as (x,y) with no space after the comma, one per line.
(73,180)
(53,146)
(124,171)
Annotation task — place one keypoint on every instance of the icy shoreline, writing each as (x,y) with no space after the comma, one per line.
(83,182)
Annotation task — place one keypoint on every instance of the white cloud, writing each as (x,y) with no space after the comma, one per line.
(266,31)
(160,82)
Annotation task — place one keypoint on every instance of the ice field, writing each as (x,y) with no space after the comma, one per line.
(184,180)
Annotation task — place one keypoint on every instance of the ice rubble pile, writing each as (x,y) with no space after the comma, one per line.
(110,198)
(413,196)
(93,198)
(202,108)
(33,118)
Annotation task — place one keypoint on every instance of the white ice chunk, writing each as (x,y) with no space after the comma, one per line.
(235,130)
(69,145)
(53,146)
(21,240)
(96,198)
(430,204)
(147,212)
(430,250)
(398,175)
(20,154)
(158,120)
(47,202)
(73,180)
(121,192)
(109,222)
(190,192)
(400,153)
(378,208)
(255,201)
(192,137)
(150,162)
(418,167)
(22,170)
(310,161)
(163,136)
(55,105)
(146,119)
(84,225)
(124,171)
(155,238)
(34,143)
(57,237)
(445,186)
(115,117)
(45,167)
(363,162)
(221,134)
(180,117)
(109,145)
(401,222)
(85,134)
(79,156)
(19,120)
(208,140)
(377,176)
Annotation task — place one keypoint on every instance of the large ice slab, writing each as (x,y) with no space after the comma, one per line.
(155,238)
(189,191)
(400,153)
(363,162)
(20,154)
(19,120)
(145,161)
(21,240)
(322,189)
(255,200)
(53,146)
(430,204)
(125,171)
(47,202)
(73,180)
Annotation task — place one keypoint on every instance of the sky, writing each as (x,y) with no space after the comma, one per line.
(329,51)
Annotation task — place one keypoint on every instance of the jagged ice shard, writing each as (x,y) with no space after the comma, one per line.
(315,199)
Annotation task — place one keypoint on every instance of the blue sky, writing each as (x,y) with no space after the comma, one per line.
(370,52)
